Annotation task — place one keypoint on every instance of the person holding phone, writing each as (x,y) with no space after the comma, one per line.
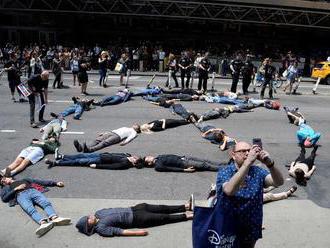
(240,189)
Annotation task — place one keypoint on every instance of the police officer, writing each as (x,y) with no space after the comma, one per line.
(247,72)
(235,67)
(203,70)
(185,65)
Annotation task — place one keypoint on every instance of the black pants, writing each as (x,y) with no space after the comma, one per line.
(202,79)
(57,80)
(310,160)
(263,88)
(173,72)
(32,102)
(185,73)
(146,215)
(246,83)
(234,82)
(171,123)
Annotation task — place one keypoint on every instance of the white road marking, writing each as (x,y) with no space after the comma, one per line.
(59,101)
(72,132)
(7,131)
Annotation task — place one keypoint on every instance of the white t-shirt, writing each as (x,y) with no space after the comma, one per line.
(126,133)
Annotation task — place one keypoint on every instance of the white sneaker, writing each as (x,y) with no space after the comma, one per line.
(60,221)
(301,121)
(44,228)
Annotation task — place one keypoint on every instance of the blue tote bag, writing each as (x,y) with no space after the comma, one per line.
(214,228)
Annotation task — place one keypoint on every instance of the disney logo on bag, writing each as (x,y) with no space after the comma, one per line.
(221,241)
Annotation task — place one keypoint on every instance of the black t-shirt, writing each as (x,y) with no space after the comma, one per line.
(37,83)
(18,183)
(205,63)
(169,162)
(158,126)
(237,64)
(14,73)
(185,61)
(269,72)
(103,65)
(247,69)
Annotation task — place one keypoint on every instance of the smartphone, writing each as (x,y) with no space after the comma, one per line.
(257,141)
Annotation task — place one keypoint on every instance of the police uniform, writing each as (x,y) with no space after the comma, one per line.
(203,74)
(237,64)
(185,62)
(247,72)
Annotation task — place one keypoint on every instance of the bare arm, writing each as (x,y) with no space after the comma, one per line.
(275,178)
(139,232)
(310,173)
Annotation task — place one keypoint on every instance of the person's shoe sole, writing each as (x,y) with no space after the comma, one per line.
(43,231)
(77,146)
(63,222)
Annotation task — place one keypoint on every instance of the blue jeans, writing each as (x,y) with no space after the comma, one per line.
(152,91)
(77,109)
(180,110)
(81,159)
(152,98)
(111,100)
(103,74)
(30,197)
(227,100)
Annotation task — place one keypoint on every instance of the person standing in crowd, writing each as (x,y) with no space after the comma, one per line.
(123,61)
(240,189)
(38,84)
(28,192)
(57,70)
(292,74)
(247,73)
(203,72)
(82,75)
(172,68)
(136,57)
(269,73)
(103,67)
(14,76)
(161,57)
(224,64)
(74,65)
(235,67)
(155,60)
(36,66)
(185,65)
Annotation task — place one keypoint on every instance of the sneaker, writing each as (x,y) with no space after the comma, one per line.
(191,202)
(34,125)
(85,148)
(42,121)
(292,190)
(77,146)
(23,100)
(105,85)
(57,154)
(301,121)
(13,99)
(44,228)
(53,115)
(60,221)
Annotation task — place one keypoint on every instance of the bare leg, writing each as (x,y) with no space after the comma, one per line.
(21,167)
(16,163)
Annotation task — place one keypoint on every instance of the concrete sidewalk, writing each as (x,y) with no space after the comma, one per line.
(288,224)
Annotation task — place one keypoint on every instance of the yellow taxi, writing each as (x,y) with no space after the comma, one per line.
(322,70)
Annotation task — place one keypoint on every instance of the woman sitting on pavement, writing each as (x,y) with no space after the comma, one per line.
(31,155)
(303,168)
(109,222)
(161,125)
(28,192)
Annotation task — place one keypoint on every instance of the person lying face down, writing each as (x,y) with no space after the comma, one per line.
(307,136)
(177,163)
(110,222)
(303,168)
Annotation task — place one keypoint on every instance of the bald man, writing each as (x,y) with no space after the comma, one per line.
(38,84)
(240,189)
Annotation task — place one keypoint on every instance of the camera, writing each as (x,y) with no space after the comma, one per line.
(257,141)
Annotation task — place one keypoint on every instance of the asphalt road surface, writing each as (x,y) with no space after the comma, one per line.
(301,221)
